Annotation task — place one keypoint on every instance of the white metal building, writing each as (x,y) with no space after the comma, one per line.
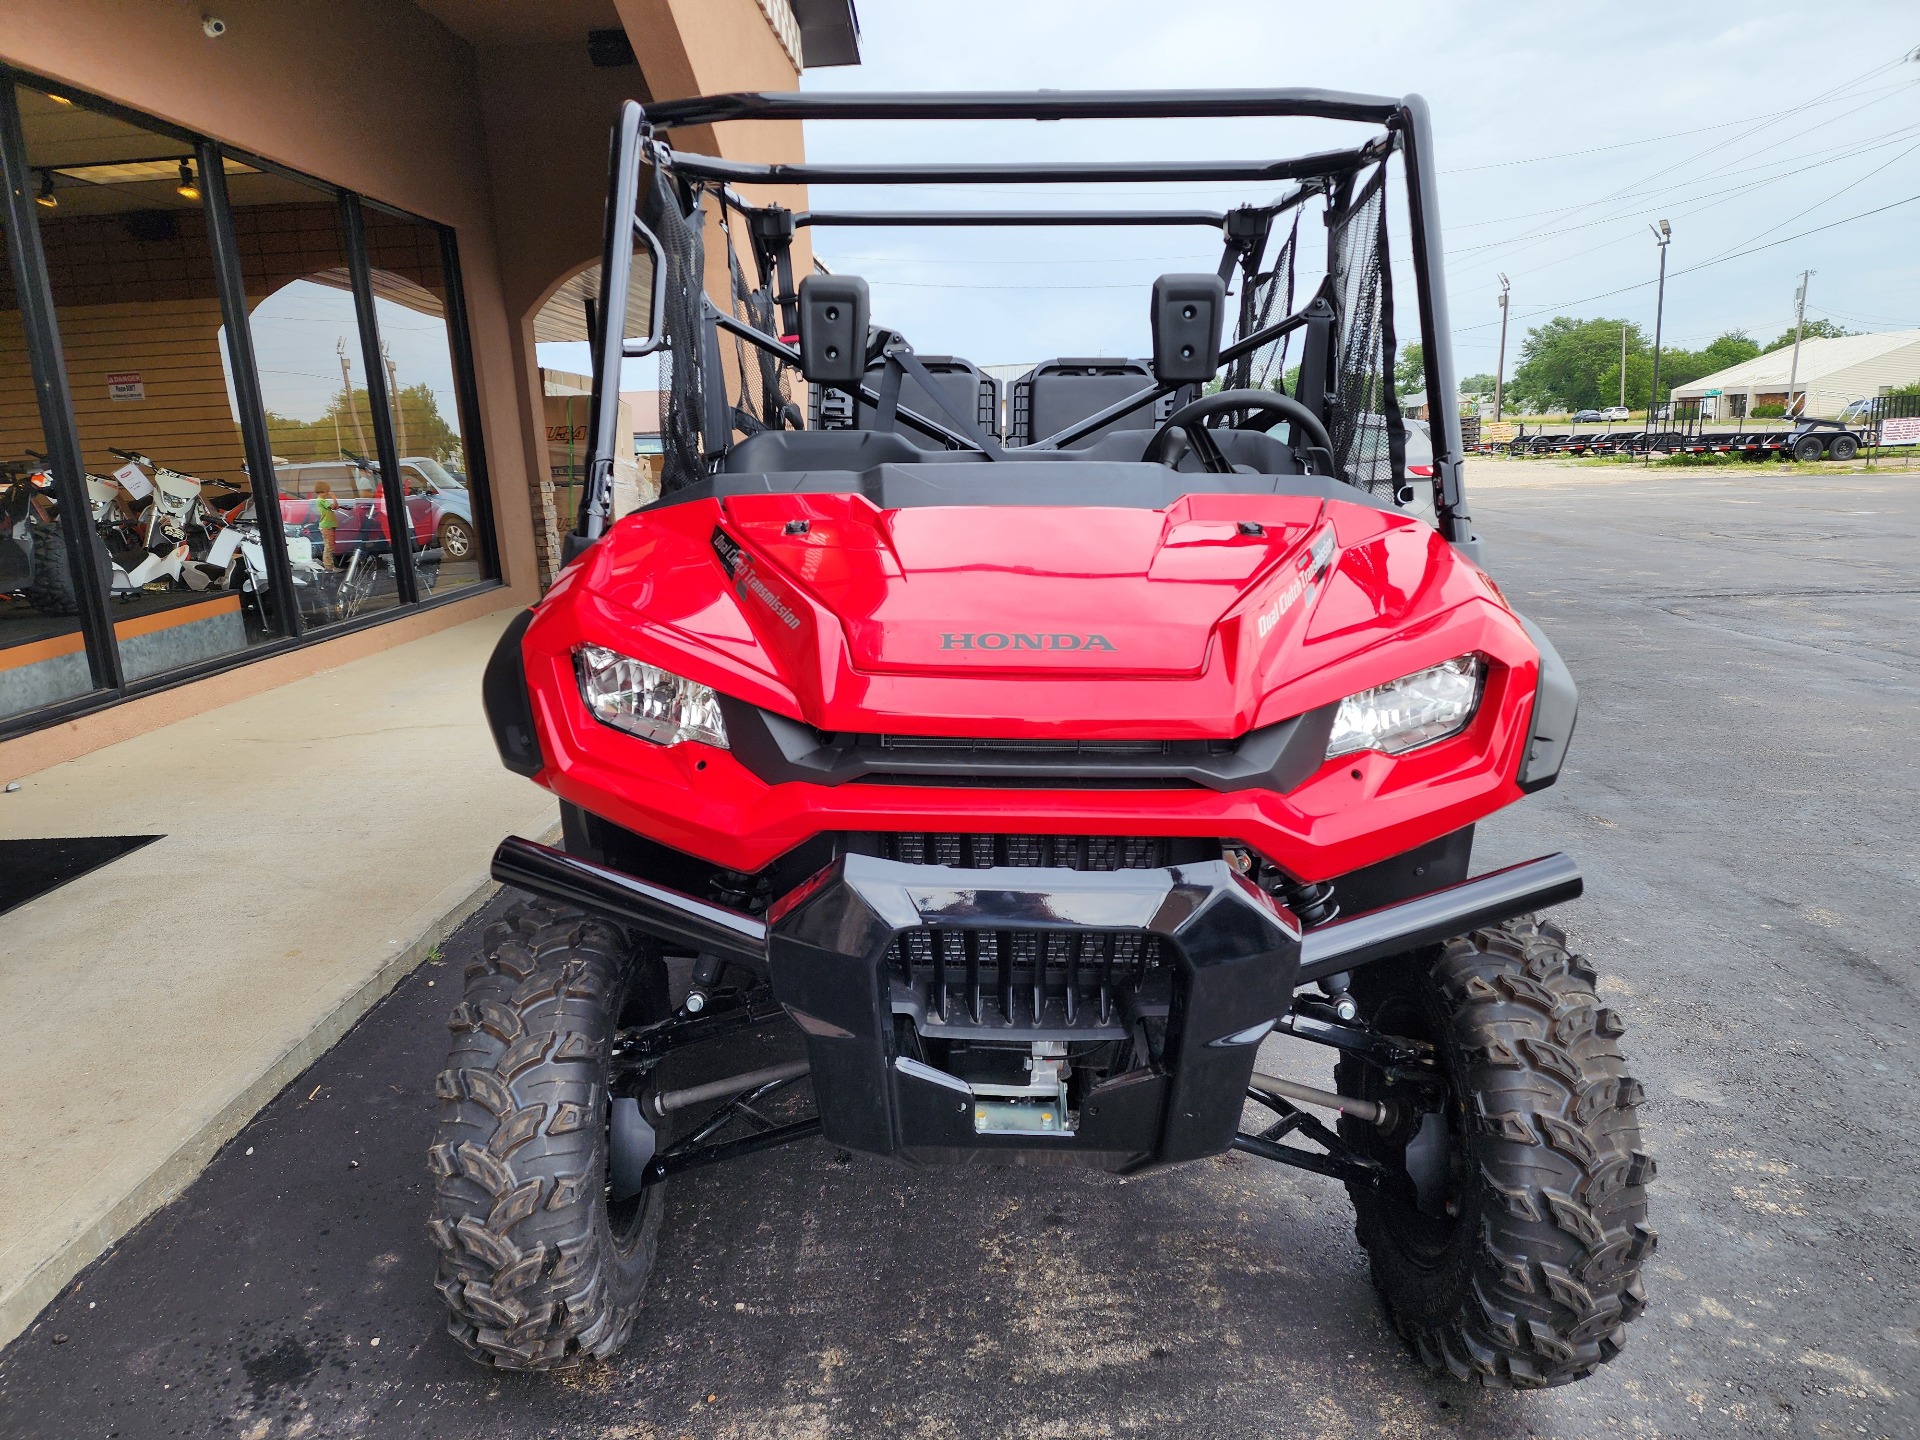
(1833,374)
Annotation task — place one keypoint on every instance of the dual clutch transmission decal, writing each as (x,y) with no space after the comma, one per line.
(746,580)
(1312,565)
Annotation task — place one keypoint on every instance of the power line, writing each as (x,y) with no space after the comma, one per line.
(1630,144)
(1702,265)
(1825,153)
(1627,190)
(1838,193)
(1716,197)
(1817,160)
(1728,196)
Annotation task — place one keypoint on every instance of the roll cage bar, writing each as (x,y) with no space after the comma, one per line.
(637,143)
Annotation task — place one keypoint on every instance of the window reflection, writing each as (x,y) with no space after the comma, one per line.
(313,382)
(124,227)
(410,299)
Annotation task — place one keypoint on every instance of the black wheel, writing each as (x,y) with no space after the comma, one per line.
(1844,447)
(51,590)
(456,538)
(1809,448)
(539,1268)
(1510,1253)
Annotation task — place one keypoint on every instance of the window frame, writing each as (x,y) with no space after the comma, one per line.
(41,334)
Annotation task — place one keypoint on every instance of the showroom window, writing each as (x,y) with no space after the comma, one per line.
(235,408)
(124,230)
(43,651)
(408,264)
(297,270)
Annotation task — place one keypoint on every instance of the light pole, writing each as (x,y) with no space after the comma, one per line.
(1500,370)
(1662,234)
(1623,368)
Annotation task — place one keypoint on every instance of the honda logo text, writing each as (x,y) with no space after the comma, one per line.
(995,640)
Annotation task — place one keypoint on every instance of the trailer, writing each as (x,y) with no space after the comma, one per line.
(1807,440)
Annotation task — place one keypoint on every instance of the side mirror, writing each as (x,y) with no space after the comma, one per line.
(1189,312)
(833,330)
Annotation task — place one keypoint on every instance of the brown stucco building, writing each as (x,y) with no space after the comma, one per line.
(273,273)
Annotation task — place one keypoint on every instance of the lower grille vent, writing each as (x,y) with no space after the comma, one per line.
(1000,979)
(1066,852)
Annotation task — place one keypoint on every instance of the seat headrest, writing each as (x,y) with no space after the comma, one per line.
(1189,312)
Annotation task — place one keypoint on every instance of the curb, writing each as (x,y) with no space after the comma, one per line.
(20,1309)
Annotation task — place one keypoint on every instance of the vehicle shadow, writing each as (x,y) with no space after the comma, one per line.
(800,1292)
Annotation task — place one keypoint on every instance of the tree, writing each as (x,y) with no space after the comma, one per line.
(1683,367)
(419,429)
(1477,385)
(1563,361)
(1639,380)
(1410,370)
(1816,330)
(1289,383)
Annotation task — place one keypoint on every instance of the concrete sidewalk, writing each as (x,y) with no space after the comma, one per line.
(320,839)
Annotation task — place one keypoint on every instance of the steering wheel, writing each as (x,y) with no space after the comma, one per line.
(1270,407)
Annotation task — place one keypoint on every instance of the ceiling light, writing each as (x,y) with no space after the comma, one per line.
(46,197)
(59,99)
(188,188)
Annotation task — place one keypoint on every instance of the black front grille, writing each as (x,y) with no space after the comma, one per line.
(1031,978)
(1066,852)
(951,743)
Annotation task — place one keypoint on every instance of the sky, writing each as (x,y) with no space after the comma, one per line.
(1764,127)
(296,330)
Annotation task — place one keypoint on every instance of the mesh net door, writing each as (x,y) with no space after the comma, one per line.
(1369,448)
(682,376)
(761,396)
(1264,368)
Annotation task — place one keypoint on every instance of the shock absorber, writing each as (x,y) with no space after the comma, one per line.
(1314,902)
(1310,900)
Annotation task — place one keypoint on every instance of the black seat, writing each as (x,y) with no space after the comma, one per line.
(962,384)
(785,451)
(1055,393)
(777,451)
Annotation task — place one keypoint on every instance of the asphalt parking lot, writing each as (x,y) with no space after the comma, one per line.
(1742,797)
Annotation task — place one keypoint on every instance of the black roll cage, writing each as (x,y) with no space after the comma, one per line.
(637,143)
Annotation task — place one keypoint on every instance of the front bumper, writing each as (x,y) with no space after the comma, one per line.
(840,960)
(893,969)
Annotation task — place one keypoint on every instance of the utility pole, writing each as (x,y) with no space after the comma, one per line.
(1799,325)
(1500,370)
(1623,366)
(393,394)
(1662,234)
(346,386)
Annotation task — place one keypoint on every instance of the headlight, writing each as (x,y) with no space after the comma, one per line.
(1414,710)
(646,701)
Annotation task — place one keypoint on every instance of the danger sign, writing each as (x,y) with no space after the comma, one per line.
(127,385)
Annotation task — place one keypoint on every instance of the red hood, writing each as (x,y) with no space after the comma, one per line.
(1219,613)
(970,591)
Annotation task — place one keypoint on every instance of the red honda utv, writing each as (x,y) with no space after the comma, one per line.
(1029,765)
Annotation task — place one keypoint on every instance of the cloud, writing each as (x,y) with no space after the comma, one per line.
(1724,132)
